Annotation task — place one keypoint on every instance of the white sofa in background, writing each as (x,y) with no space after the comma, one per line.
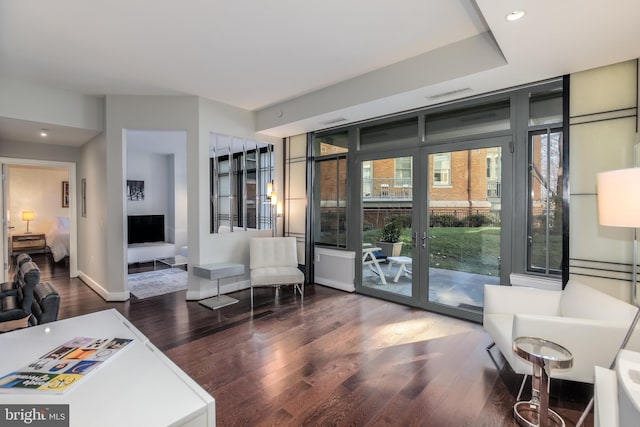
(587,322)
(274,262)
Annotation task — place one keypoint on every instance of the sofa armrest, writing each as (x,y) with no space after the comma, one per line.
(46,303)
(591,342)
(520,299)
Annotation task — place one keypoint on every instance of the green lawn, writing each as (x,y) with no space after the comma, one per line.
(473,249)
(470,249)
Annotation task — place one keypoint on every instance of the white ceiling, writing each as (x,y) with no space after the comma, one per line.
(258,55)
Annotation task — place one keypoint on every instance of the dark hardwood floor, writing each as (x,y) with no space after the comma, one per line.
(340,359)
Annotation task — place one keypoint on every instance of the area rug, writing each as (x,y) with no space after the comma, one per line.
(158,282)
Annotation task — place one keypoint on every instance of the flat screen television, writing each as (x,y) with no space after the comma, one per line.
(145,228)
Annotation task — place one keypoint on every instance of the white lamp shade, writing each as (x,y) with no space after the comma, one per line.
(28,215)
(619,198)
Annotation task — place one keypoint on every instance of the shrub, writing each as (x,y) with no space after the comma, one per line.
(444,221)
(392,228)
(477,220)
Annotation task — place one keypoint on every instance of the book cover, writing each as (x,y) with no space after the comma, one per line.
(60,369)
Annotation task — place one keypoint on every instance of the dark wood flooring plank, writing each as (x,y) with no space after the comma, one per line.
(340,359)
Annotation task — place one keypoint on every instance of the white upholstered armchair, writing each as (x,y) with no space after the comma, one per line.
(587,322)
(274,262)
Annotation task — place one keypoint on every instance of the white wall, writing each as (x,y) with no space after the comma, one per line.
(197,118)
(38,189)
(227,120)
(34,151)
(93,260)
(135,112)
(156,171)
(35,102)
(603,133)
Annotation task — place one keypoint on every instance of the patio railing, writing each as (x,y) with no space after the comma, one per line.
(387,189)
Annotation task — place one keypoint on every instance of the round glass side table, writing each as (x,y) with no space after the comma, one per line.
(544,356)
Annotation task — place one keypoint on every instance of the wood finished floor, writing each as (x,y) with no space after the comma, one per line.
(340,359)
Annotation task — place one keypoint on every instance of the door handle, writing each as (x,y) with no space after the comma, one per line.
(424,239)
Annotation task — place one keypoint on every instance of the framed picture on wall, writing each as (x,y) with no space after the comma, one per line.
(135,190)
(65,194)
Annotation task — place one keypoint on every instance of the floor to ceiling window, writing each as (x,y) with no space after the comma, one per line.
(330,189)
(447,186)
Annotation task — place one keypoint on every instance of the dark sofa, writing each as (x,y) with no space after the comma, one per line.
(25,301)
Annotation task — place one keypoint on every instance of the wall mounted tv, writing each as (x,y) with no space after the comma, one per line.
(145,228)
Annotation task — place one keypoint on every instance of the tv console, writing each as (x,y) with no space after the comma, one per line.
(147,252)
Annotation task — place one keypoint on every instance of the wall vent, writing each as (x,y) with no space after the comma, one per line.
(447,94)
(334,121)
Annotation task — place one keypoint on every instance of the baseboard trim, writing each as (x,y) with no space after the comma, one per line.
(100,290)
(335,284)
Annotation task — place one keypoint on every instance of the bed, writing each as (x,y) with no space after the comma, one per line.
(58,239)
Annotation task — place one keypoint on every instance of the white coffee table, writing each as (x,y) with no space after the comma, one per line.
(174,261)
(138,387)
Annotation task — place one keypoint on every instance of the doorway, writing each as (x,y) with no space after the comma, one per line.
(156,178)
(433,230)
(38,205)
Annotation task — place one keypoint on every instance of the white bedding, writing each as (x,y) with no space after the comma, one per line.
(58,239)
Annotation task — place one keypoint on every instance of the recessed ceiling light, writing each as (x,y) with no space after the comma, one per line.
(515,15)
(43,133)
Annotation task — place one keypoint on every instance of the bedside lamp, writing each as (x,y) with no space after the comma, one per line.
(28,216)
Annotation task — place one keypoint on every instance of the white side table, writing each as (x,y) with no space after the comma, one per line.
(173,261)
(217,272)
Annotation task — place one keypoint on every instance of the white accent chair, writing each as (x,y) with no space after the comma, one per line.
(274,262)
(587,322)
(606,396)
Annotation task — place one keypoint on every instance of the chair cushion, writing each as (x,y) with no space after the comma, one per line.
(273,252)
(276,276)
(500,326)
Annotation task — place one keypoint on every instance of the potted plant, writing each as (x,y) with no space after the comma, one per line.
(389,240)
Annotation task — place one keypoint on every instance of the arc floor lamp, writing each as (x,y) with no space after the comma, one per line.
(619,206)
